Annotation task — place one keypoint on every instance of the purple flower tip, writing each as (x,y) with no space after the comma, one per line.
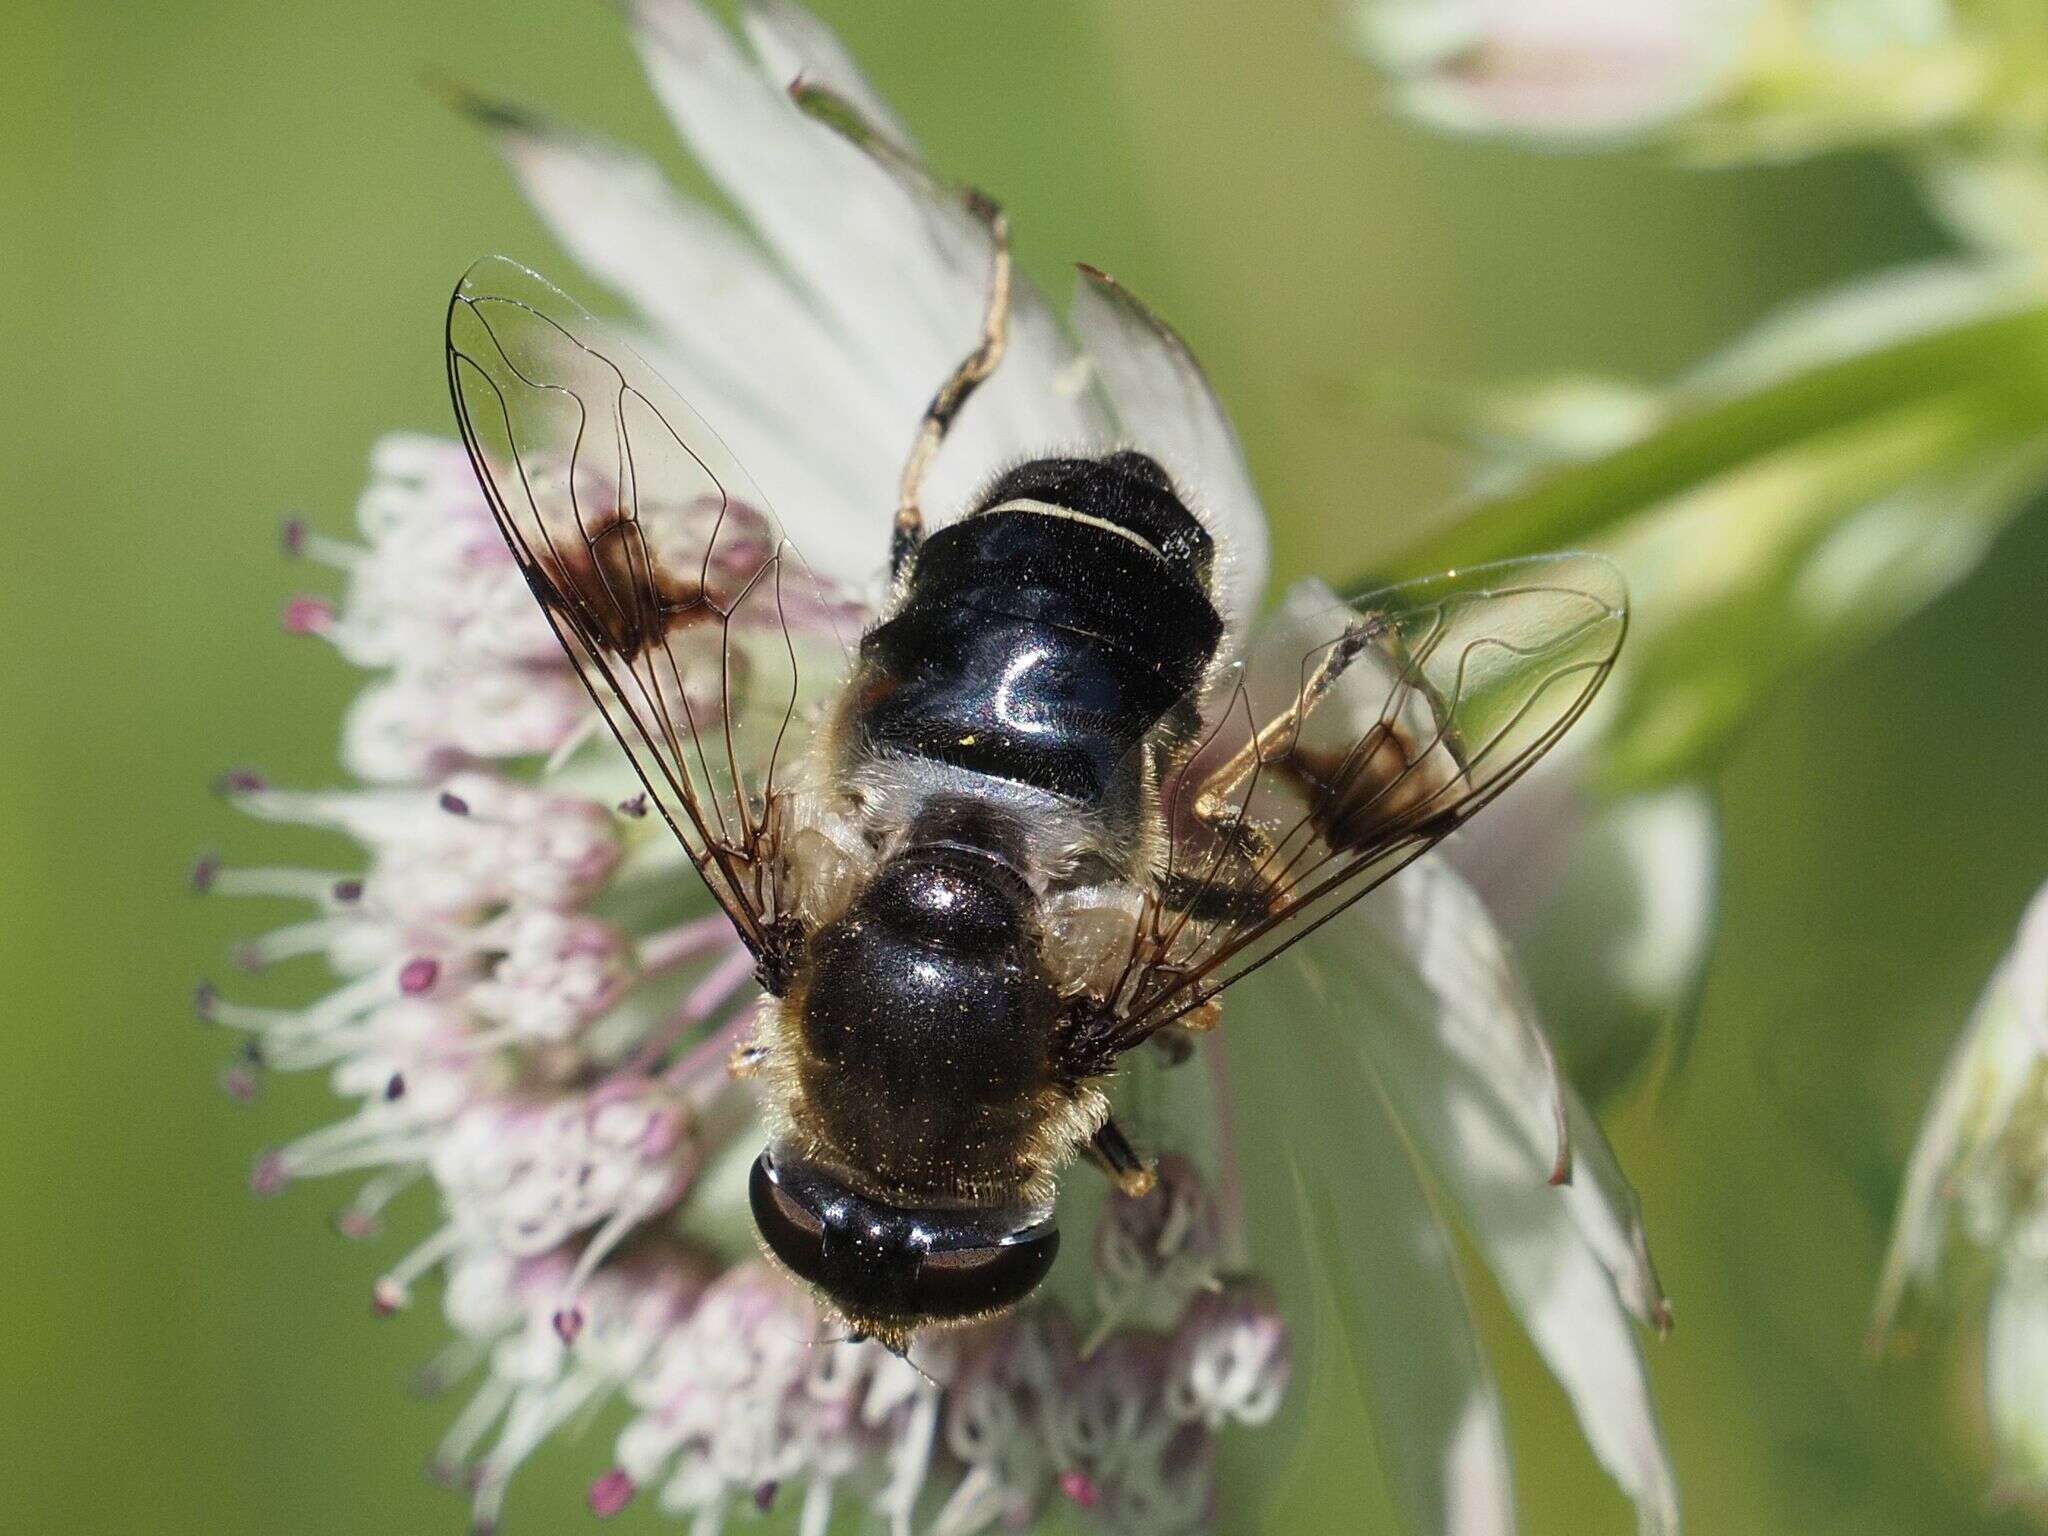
(307,616)
(248,957)
(354,1224)
(1081,1488)
(764,1496)
(239,781)
(418,975)
(569,1323)
(204,869)
(395,1088)
(269,1175)
(635,807)
(348,890)
(387,1298)
(454,804)
(291,537)
(239,1082)
(611,1493)
(204,996)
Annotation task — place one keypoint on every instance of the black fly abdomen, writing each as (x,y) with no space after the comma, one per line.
(929,1019)
(1043,637)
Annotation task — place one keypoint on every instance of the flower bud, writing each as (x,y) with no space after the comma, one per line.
(1565,71)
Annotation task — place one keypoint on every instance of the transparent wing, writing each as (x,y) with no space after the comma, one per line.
(1353,737)
(697,628)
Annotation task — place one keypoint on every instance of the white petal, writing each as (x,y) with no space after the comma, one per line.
(1480,1020)
(1566,1300)
(1857,317)
(1610,1217)
(1920,1227)
(1392,1293)
(1485,1038)
(2030,970)
(731,336)
(2015,1368)
(685,269)
(1165,408)
(897,268)
(838,223)
(1041,399)
(793,44)
(1612,908)
(1520,853)
(1997,1061)
(1670,841)
(1420,985)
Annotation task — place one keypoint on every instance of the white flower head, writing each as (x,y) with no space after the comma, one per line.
(533,1017)
(1230,1359)
(1154,1251)
(433,601)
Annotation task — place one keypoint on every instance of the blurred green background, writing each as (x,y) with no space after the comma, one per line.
(228,230)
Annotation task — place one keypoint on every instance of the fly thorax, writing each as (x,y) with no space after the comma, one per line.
(1045,638)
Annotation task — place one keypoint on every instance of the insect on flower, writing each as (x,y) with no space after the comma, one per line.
(1042,811)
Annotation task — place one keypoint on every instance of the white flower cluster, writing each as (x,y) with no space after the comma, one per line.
(434,601)
(557,1076)
(560,1078)
(736,1403)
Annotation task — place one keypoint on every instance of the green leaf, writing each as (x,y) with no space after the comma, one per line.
(1796,562)
(1776,528)
(1996,368)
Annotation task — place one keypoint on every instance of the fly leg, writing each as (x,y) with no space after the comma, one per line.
(1113,1153)
(1274,741)
(908,532)
(1264,881)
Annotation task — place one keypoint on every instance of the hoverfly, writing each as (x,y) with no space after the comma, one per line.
(1042,809)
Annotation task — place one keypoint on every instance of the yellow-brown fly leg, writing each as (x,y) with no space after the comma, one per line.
(1244,877)
(1274,743)
(1258,875)
(1111,1151)
(908,533)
